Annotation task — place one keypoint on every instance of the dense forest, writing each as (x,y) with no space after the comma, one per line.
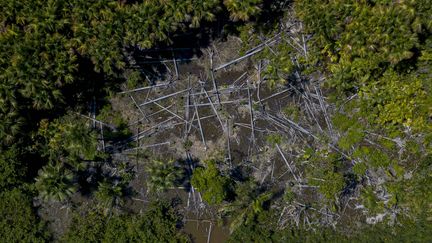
(216,121)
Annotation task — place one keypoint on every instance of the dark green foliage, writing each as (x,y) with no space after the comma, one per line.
(157,224)
(416,192)
(113,190)
(48,51)
(18,221)
(215,188)
(109,115)
(88,227)
(187,144)
(116,230)
(11,168)
(250,202)
(42,45)
(408,231)
(264,229)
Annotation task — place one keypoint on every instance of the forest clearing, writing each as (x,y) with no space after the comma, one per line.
(215,121)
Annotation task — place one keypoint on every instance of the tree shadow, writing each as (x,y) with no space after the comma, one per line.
(187,166)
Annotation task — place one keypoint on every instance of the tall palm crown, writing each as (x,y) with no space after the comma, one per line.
(162,175)
(54,183)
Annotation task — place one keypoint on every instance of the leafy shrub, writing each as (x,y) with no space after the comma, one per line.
(215,188)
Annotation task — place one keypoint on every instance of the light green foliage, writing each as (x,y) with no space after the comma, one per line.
(379,50)
(395,100)
(398,170)
(247,35)
(374,157)
(386,143)
(273,139)
(67,137)
(325,173)
(332,185)
(214,187)
(359,36)
(281,64)
(293,112)
(162,175)
(18,221)
(343,122)
(360,168)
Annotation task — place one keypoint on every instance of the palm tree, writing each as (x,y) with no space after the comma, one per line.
(162,175)
(10,126)
(110,194)
(55,183)
(248,204)
(242,9)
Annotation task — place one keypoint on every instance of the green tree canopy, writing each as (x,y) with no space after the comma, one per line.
(215,187)
(162,175)
(158,224)
(18,220)
(54,182)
